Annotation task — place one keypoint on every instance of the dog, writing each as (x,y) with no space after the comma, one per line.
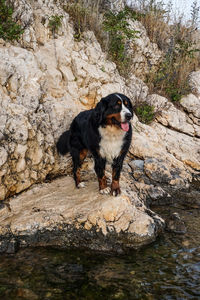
(106,133)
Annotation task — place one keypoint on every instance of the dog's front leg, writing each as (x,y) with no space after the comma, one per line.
(116,171)
(99,167)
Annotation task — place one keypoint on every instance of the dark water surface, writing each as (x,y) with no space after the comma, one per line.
(167,269)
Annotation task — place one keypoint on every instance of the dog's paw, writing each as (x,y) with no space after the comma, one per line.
(115,192)
(81,185)
(105,191)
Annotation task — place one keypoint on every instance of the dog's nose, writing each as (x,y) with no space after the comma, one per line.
(128,116)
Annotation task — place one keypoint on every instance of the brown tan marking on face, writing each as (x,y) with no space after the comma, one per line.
(117,117)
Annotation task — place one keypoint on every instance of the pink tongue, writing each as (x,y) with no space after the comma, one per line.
(125,126)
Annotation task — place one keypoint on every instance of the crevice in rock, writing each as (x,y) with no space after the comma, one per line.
(177,130)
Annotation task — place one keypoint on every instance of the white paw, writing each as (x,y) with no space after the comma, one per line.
(105,191)
(81,185)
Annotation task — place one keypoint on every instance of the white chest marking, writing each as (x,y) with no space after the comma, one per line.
(111,142)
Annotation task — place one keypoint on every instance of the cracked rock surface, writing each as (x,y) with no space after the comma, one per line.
(57,213)
(45,81)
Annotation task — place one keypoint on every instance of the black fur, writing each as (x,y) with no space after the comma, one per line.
(84,136)
(63,143)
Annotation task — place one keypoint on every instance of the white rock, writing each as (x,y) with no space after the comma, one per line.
(3,156)
(192,104)
(194,81)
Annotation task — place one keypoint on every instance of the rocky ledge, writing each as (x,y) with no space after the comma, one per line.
(58,214)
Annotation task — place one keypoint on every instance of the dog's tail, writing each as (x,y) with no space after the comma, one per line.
(62,144)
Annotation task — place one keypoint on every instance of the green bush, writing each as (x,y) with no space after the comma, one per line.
(55,22)
(119,32)
(145,112)
(9,29)
(111,30)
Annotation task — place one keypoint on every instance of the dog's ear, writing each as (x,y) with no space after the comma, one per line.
(98,113)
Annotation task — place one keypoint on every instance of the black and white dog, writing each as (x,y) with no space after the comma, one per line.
(106,132)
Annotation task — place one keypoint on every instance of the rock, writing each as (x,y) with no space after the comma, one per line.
(145,56)
(50,79)
(141,89)
(170,116)
(42,89)
(115,6)
(194,81)
(180,151)
(3,156)
(191,103)
(158,170)
(61,215)
(159,103)
(175,224)
(137,167)
(137,164)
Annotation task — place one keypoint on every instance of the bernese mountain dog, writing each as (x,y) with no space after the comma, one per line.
(106,133)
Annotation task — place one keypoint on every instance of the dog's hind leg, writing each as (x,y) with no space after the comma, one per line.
(78,158)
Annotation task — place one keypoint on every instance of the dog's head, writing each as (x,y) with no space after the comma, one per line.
(115,110)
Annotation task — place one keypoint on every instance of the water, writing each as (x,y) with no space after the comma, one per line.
(167,269)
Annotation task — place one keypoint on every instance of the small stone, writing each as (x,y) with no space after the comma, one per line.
(175,224)
(88,226)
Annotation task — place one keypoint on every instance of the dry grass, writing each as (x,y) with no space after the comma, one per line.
(111,30)
(86,15)
(180,52)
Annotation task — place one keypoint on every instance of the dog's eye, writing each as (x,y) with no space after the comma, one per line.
(117,106)
(125,103)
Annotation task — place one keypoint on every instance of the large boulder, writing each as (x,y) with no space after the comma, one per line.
(59,214)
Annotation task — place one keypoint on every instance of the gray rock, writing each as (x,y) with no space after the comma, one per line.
(175,224)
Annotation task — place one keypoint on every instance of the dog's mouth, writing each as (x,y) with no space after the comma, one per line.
(124,126)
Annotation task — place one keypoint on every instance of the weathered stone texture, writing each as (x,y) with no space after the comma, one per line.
(145,55)
(45,81)
(113,223)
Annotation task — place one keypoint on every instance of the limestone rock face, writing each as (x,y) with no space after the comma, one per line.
(191,103)
(113,224)
(194,81)
(158,141)
(170,145)
(45,80)
(145,56)
(46,83)
(42,87)
(114,5)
